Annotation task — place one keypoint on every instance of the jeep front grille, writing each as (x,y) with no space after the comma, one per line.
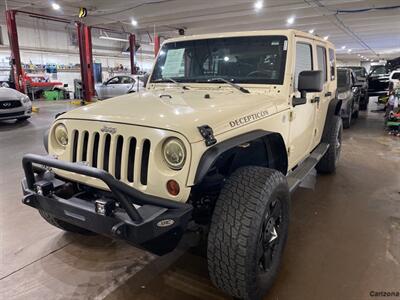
(123,157)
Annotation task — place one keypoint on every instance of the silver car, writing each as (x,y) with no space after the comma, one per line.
(14,105)
(119,85)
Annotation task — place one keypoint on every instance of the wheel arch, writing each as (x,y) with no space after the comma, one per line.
(333,110)
(256,148)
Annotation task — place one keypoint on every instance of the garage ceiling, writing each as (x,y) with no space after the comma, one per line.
(369,28)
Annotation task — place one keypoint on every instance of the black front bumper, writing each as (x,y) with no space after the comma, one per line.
(157,225)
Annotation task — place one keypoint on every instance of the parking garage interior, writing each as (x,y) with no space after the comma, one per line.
(344,234)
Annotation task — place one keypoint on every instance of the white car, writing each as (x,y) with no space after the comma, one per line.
(14,105)
(119,85)
(395,78)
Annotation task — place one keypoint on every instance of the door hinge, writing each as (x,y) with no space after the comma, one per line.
(291,116)
(208,135)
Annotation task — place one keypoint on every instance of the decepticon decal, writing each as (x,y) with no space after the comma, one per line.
(248,119)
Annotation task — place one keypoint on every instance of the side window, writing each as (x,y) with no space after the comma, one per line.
(303,60)
(114,80)
(321,56)
(127,80)
(332,64)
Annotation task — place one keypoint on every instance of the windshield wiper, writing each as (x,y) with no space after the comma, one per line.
(173,81)
(234,85)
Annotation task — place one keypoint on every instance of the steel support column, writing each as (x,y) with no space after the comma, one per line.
(132,50)
(86,60)
(14,47)
(156,44)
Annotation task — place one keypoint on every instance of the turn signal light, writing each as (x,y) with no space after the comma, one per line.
(173,187)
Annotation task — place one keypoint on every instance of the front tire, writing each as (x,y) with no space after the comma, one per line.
(248,232)
(347,121)
(328,162)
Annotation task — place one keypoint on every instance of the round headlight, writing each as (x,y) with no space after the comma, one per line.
(174,153)
(61,135)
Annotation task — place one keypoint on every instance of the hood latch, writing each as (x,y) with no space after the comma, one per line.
(208,135)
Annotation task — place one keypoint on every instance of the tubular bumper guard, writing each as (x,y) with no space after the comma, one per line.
(153,223)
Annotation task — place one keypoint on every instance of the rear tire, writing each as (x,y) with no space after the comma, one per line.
(329,161)
(248,232)
(64,225)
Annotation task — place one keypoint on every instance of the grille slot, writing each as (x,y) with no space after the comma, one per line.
(95,149)
(106,159)
(75,146)
(118,156)
(145,162)
(131,159)
(85,145)
(125,157)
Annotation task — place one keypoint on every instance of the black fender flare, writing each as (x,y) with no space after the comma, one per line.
(46,140)
(333,110)
(211,155)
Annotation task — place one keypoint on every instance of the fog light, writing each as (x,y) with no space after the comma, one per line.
(44,188)
(104,207)
(173,187)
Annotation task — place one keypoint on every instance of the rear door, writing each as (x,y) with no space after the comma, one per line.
(322,100)
(127,83)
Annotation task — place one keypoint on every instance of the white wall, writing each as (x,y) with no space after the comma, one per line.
(45,42)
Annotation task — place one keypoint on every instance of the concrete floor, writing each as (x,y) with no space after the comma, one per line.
(344,237)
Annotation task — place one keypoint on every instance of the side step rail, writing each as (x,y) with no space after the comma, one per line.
(295,178)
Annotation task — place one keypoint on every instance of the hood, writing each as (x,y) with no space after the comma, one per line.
(183,111)
(10,94)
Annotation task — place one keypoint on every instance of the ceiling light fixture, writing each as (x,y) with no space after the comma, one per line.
(104,37)
(326,37)
(311,31)
(290,21)
(134,22)
(343,47)
(258,5)
(358,54)
(55,6)
(349,50)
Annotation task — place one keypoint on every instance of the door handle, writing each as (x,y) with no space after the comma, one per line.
(315,100)
(328,94)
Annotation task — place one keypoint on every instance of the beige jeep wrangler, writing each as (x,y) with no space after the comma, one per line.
(228,126)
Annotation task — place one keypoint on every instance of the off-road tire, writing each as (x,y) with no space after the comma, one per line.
(356,114)
(328,162)
(64,225)
(347,121)
(236,231)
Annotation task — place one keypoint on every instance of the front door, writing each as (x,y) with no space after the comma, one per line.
(302,116)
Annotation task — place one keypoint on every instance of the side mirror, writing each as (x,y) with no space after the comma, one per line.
(309,82)
(358,84)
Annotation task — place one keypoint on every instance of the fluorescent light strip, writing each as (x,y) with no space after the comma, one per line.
(103,37)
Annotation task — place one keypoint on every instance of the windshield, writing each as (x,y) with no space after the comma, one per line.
(258,59)
(343,79)
(358,71)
